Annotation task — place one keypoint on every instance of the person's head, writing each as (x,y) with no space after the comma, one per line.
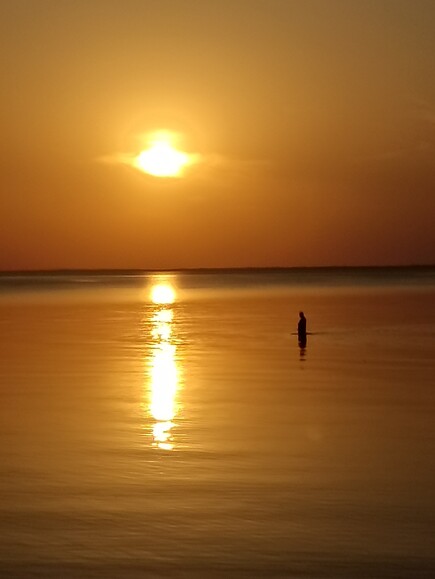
(301,315)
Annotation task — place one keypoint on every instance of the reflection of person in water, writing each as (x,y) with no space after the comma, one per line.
(302,330)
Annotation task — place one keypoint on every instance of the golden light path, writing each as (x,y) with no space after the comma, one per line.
(162,159)
(164,374)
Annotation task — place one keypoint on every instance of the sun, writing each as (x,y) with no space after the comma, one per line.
(161,159)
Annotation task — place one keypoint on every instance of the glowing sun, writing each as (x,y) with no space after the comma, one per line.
(161,159)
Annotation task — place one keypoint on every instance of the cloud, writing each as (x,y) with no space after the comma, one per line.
(202,165)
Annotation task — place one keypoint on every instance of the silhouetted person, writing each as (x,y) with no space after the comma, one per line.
(302,330)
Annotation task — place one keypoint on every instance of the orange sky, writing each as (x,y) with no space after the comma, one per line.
(315,122)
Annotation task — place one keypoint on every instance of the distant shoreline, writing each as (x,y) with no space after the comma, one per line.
(213,270)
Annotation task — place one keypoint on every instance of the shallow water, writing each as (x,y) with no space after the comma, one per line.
(197,439)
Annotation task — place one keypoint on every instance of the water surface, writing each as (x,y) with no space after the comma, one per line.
(196,438)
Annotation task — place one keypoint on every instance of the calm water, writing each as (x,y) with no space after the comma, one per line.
(196,439)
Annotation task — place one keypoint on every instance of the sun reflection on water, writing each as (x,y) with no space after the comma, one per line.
(164,372)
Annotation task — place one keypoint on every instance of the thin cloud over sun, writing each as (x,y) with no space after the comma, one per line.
(158,155)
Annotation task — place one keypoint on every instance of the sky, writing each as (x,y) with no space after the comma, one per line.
(312,123)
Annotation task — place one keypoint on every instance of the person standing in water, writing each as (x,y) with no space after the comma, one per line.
(302,329)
